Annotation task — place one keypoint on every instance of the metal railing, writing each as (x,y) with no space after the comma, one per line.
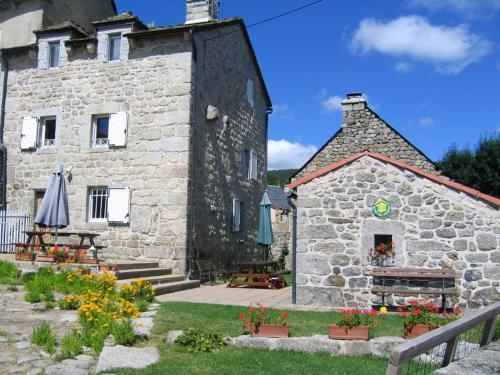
(12,227)
(449,343)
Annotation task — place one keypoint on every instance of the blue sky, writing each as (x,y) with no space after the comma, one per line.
(429,68)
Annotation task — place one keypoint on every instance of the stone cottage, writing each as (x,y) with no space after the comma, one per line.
(162,131)
(280,219)
(353,196)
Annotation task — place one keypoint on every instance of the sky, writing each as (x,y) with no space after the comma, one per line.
(429,68)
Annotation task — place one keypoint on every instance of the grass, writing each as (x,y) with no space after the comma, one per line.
(224,319)
(44,337)
(9,274)
(71,346)
(232,361)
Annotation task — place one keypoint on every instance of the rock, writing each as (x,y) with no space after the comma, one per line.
(495,256)
(114,357)
(382,346)
(323,296)
(84,361)
(212,113)
(27,359)
(492,272)
(364,176)
(69,316)
(356,348)
(358,282)
(143,326)
(405,189)
(316,264)
(21,345)
(460,245)
(351,271)
(430,223)
(3,339)
(335,280)
(476,257)
(63,369)
(340,260)
(172,336)
(486,241)
(415,201)
(148,314)
(486,295)
(446,233)
(426,245)
(473,275)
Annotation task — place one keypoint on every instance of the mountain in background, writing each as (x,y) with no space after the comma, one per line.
(279,177)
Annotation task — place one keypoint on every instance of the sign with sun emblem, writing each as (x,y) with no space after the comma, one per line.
(382,208)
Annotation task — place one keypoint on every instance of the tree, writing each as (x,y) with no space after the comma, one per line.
(279,177)
(478,168)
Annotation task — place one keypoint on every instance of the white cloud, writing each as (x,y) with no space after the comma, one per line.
(449,49)
(283,154)
(332,103)
(283,111)
(426,122)
(466,8)
(403,67)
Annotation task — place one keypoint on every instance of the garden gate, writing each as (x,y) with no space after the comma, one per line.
(12,227)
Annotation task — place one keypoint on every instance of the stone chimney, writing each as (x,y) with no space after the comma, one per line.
(198,11)
(355,101)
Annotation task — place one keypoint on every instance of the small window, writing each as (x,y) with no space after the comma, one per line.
(238,216)
(100,131)
(53,54)
(253,165)
(98,204)
(250,92)
(48,132)
(246,163)
(114,47)
(380,239)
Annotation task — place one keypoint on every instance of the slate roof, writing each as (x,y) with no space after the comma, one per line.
(278,198)
(67,25)
(495,202)
(121,18)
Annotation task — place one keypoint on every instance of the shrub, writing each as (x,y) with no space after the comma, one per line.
(138,290)
(70,302)
(9,274)
(426,313)
(142,305)
(199,340)
(71,345)
(44,337)
(124,332)
(357,318)
(33,297)
(49,305)
(94,338)
(282,258)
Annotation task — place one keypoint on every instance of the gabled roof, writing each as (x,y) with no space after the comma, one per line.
(207,26)
(278,198)
(127,17)
(495,202)
(65,26)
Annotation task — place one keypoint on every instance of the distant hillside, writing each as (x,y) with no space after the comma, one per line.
(279,177)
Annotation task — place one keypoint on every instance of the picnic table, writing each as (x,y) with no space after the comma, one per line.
(262,274)
(37,234)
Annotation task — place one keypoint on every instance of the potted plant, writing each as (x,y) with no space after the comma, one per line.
(263,322)
(60,254)
(382,255)
(82,270)
(85,258)
(25,253)
(420,318)
(353,325)
(107,266)
(47,255)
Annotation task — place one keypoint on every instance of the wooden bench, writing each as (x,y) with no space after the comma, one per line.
(388,280)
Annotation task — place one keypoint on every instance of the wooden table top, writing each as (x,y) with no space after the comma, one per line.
(62,234)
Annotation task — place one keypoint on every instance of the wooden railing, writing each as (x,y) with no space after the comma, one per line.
(446,344)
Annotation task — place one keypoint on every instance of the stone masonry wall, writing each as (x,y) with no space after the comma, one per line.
(223,66)
(154,87)
(281,224)
(363,130)
(432,226)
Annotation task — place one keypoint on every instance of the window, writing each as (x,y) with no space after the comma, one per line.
(246,163)
(250,92)
(100,131)
(48,132)
(98,204)
(253,165)
(238,216)
(114,47)
(53,54)
(380,239)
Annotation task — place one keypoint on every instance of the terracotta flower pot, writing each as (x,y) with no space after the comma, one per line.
(271,330)
(83,272)
(88,261)
(107,267)
(412,331)
(345,333)
(45,258)
(25,257)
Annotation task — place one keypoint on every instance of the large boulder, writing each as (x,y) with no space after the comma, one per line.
(115,357)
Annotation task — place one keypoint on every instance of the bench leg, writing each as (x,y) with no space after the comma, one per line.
(443,303)
(383,299)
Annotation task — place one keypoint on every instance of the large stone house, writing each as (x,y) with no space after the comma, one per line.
(368,186)
(162,131)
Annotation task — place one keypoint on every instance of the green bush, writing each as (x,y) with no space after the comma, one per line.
(124,333)
(33,297)
(70,302)
(71,346)
(94,338)
(496,335)
(142,305)
(282,258)
(44,337)
(49,305)
(9,274)
(199,340)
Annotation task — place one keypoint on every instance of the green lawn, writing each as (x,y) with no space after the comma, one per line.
(224,319)
(231,361)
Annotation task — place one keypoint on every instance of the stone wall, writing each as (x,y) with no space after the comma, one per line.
(432,225)
(154,87)
(363,130)
(223,65)
(281,223)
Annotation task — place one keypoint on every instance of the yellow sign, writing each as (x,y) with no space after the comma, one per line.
(382,208)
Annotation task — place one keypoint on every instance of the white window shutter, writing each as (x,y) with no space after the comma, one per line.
(250,91)
(119,205)
(117,132)
(236,215)
(253,165)
(29,133)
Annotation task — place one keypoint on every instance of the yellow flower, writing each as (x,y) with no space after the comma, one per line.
(383,310)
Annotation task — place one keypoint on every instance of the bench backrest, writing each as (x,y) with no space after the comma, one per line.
(205,265)
(414,273)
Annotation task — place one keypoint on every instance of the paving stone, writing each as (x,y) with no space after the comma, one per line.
(21,345)
(172,336)
(114,357)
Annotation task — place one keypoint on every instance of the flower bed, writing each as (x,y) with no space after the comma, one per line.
(264,322)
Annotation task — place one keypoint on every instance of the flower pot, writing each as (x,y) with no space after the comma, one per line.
(415,330)
(271,330)
(88,261)
(107,267)
(345,333)
(25,257)
(81,272)
(45,258)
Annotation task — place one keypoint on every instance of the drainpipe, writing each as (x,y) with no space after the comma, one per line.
(291,197)
(3,149)
(189,273)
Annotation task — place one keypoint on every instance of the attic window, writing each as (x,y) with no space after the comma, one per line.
(114,47)
(53,54)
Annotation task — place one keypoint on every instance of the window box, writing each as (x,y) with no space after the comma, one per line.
(346,333)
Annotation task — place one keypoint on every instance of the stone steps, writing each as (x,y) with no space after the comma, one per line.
(176,286)
(155,280)
(124,266)
(142,272)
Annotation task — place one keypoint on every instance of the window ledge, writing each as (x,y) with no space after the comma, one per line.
(46,150)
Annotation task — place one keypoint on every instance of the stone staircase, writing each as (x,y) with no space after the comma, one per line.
(161,278)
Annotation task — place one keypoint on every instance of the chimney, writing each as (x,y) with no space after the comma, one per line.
(198,11)
(355,101)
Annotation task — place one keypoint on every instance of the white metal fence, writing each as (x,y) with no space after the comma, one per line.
(12,227)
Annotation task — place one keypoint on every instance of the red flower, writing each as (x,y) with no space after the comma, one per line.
(260,316)
(250,309)
(242,316)
(373,312)
(264,308)
(284,315)
(417,312)
(457,311)
(414,303)
(405,314)
(399,310)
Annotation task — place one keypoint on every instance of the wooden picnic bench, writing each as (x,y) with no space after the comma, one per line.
(389,280)
(263,274)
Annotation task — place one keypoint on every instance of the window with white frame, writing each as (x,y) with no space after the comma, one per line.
(53,54)
(100,130)
(98,204)
(253,165)
(238,216)
(110,130)
(246,163)
(48,131)
(114,47)
(250,91)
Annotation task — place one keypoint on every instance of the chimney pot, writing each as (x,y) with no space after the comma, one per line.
(354,101)
(198,11)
